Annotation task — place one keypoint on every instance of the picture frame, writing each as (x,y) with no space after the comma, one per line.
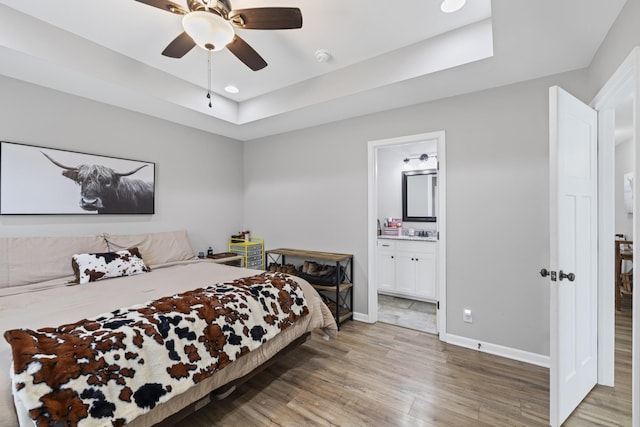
(47,181)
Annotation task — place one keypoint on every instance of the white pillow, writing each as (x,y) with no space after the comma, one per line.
(98,266)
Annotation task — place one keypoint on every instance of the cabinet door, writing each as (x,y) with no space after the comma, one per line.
(386,265)
(405,272)
(386,271)
(426,275)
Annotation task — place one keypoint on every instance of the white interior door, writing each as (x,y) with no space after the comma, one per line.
(573,239)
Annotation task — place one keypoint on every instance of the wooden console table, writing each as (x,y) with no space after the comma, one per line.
(621,254)
(229,258)
(339,293)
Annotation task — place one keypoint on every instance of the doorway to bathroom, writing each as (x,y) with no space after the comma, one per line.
(407,250)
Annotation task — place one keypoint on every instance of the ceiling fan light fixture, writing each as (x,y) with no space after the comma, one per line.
(208,30)
(450,6)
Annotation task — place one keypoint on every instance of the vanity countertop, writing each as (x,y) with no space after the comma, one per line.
(419,238)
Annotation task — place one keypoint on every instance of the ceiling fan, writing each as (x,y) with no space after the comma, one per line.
(210,25)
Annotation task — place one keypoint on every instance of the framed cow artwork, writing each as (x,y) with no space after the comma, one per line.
(40,181)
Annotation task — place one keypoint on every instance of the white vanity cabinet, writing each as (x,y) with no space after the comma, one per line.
(407,268)
(416,268)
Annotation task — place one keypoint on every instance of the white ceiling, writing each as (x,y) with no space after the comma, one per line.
(384,55)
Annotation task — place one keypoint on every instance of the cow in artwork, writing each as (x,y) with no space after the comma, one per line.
(109,192)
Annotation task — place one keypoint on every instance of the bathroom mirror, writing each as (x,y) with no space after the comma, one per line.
(419,195)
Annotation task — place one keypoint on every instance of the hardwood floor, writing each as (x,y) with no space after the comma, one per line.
(606,406)
(385,375)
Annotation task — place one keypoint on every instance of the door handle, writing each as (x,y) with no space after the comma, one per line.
(569,276)
(544,273)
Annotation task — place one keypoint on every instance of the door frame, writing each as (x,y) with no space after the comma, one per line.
(372,223)
(623,81)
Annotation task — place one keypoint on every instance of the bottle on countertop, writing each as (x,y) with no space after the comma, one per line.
(210,251)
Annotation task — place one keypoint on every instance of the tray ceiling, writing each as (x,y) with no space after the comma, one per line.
(383,56)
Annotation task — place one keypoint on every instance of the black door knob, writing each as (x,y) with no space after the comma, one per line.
(569,276)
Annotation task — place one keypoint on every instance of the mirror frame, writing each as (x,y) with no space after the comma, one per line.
(405,217)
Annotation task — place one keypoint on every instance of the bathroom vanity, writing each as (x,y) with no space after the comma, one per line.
(406,267)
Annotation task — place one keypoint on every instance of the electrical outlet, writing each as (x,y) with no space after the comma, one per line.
(467,316)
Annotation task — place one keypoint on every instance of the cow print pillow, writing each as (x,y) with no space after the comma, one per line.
(98,266)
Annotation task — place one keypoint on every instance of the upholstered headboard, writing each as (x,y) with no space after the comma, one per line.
(27,260)
(156,248)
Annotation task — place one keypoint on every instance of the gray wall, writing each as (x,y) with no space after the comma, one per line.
(308,189)
(497,192)
(621,39)
(497,200)
(199,180)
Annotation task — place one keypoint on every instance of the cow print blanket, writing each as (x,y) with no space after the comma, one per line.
(110,369)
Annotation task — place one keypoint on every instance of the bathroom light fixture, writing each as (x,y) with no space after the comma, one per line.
(450,6)
(421,157)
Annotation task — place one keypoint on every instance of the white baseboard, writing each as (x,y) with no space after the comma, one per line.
(486,347)
(498,350)
(361,317)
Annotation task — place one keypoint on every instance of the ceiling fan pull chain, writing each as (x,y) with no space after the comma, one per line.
(209,77)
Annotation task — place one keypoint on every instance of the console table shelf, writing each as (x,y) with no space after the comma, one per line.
(339,295)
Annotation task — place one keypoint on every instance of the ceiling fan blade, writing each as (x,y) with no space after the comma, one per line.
(179,46)
(246,53)
(165,5)
(267,18)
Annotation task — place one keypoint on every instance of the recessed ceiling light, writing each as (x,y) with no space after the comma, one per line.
(231,89)
(449,6)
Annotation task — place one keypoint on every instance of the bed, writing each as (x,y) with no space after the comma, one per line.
(30,298)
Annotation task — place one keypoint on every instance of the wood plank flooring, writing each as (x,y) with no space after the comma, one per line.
(607,406)
(384,375)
